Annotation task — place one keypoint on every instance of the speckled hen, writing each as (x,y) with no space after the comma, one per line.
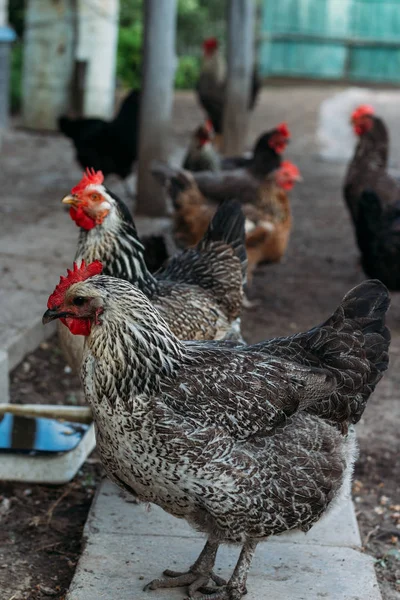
(200,291)
(243,442)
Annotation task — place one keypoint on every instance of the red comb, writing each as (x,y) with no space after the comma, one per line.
(291,168)
(90,177)
(362,111)
(210,44)
(77,274)
(283,129)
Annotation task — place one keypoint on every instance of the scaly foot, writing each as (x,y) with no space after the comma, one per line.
(195,580)
(225,593)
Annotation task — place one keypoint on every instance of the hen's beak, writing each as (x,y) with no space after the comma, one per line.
(52,314)
(73,200)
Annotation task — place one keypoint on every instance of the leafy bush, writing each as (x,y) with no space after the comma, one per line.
(187,72)
(129,56)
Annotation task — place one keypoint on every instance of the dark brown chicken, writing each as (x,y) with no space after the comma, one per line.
(245,184)
(370,158)
(268,215)
(244,442)
(267,152)
(373,198)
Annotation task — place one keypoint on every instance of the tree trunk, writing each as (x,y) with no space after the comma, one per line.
(156,102)
(239,76)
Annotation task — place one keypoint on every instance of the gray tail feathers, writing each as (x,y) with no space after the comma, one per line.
(352,344)
(362,345)
(228,225)
(366,306)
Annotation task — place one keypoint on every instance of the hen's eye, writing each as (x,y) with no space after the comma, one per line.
(79,301)
(95,197)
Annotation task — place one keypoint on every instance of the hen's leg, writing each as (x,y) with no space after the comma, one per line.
(235,589)
(196,578)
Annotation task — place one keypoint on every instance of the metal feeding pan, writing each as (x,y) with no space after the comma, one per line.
(38,449)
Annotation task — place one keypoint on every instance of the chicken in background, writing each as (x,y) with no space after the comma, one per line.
(107,146)
(370,157)
(266,154)
(201,154)
(246,184)
(373,198)
(268,226)
(200,291)
(211,86)
(244,442)
(268,218)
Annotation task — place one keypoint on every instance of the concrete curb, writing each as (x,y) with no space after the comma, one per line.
(127,545)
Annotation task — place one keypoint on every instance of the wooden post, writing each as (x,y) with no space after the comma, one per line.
(239,75)
(159,63)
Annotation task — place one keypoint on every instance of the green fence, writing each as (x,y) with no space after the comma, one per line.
(357,40)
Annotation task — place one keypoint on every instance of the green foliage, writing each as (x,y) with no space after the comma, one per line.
(129,57)
(187,72)
(197,19)
(16,77)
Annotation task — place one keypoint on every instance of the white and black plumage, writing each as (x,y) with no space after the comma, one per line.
(199,292)
(242,442)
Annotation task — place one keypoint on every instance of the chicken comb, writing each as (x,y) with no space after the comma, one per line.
(283,129)
(290,168)
(363,110)
(210,44)
(90,177)
(75,275)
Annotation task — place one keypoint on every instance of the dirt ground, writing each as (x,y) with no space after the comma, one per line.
(38,552)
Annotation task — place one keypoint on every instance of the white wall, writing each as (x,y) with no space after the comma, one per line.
(48,61)
(3,12)
(97,44)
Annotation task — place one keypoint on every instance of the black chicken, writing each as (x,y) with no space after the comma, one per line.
(108,146)
(372,196)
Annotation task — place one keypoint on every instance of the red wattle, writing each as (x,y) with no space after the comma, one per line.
(77,326)
(81,218)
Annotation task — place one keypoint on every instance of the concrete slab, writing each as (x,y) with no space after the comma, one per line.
(17,342)
(114,512)
(4,387)
(116,564)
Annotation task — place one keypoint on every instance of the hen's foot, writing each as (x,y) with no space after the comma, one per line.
(196,582)
(227,593)
(196,578)
(235,589)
